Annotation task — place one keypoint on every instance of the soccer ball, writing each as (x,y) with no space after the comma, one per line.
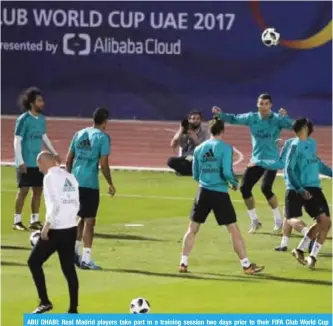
(139,306)
(34,237)
(270,37)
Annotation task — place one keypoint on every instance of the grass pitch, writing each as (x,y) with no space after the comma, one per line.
(143,260)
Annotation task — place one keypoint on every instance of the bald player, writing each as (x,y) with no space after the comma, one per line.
(61,193)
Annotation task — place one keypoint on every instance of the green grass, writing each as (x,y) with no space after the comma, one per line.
(143,261)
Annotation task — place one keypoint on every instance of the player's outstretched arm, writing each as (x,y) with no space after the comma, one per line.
(285,121)
(324,169)
(235,119)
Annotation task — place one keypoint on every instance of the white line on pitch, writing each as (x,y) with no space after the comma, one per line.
(156,197)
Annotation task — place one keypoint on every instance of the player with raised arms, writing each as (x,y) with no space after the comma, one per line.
(265,127)
(212,168)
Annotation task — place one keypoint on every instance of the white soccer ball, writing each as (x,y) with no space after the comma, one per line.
(34,237)
(139,306)
(270,37)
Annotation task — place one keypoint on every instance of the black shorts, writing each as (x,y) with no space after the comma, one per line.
(89,202)
(315,206)
(33,178)
(220,202)
(251,177)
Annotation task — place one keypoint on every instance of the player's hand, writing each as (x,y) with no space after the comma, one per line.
(216,110)
(44,232)
(112,190)
(306,195)
(234,187)
(251,164)
(283,112)
(58,159)
(23,168)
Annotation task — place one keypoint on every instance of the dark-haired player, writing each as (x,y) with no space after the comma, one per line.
(265,127)
(294,201)
(90,146)
(303,167)
(29,137)
(212,168)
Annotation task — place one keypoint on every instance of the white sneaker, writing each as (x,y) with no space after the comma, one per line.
(255,225)
(311,262)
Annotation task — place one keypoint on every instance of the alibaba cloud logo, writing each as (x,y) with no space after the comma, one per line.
(79,44)
(322,37)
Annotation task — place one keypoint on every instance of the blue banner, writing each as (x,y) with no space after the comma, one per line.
(180,319)
(157,60)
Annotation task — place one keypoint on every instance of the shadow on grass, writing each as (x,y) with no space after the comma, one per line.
(323,269)
(294,235)
(13,264)
(269,277)
(124,237)
(325,254)
(5,247)
(267,233)
(189,276)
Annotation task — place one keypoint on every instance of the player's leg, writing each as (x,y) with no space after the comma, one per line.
(38,256)
(239,248)
(286,232)
(318,208)
(78,247)
(188,244)
(199,212)
(84,206)
(298,252)
(19,203)
(66,248)
(293,212)
(288,225)
(225,214)
(35,224)
(88,212)
(36,182)
(267,190)
(324,226)
(87,239)
(22,192)
(251,177)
